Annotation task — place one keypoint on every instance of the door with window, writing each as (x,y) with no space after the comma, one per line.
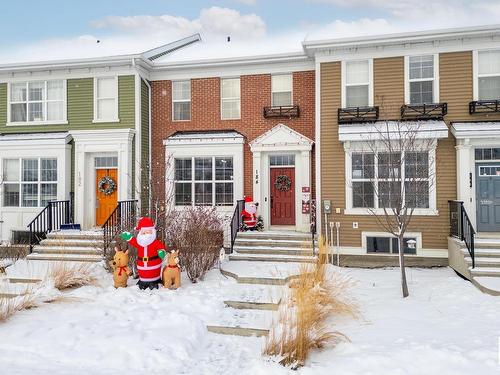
(488,197)
(106,188)
(282,181)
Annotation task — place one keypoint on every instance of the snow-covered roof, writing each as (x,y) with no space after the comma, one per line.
(216,136)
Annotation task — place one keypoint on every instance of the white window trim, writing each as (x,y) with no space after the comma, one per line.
(221,99)
(435,80)
(64,120)
(274,91)
(475,72)
(344,79)
(350,210)
(417,235)
(116,97)
(182,101)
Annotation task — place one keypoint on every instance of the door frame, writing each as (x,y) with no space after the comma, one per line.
(93,158)
(479,164)
(294,186)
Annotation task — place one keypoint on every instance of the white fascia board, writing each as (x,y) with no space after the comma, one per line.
(379,131)
(34,140)
(107,134)
(203,142)
(464,130)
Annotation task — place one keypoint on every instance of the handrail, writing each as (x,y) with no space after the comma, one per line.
(49,219)
(236,221)
(461,227)
(121,218)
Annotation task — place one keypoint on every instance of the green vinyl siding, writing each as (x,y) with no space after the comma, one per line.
(80,108)
(144,147)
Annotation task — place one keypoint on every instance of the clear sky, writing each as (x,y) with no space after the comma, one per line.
(41,29)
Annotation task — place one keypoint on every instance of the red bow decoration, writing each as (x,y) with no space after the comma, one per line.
(124,269)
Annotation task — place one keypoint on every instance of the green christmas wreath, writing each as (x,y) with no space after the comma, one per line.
(107,185)
(283,183)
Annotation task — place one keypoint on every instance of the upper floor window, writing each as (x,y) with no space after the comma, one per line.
(281,90)
(37,102)
(488,75)
(422,79)
(230,98)
(30,182)
(181,100)
(106,99)
(357,84)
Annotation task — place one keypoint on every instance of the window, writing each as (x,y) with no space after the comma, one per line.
(489,75)
(204,181)
(384,244)
(29,182)
(37,102)
(181,100)
(281,160)
(106,99)
(421,79)
(487,153)
(105,162)
(357,87)
(230,98)
(383,171)
(281,90)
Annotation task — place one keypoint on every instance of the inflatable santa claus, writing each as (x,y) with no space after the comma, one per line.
(249,214)
(150,253)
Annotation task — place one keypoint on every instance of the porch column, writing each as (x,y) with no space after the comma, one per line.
(305,181)
(464,171)
(257,178)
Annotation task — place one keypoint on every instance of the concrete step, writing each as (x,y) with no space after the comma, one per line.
(72,242)
(67,250)
(486,243)
(483,253)
(253,293)
(76,235)
(23,280)
(238,331)
(266,242)
(273,250)
(272,258)
(256,280)
(65,257)
(485,271)
(241,322)
(489,262)
(245,305)
(275,235)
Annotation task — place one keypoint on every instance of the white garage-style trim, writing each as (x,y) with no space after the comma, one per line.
(281,140)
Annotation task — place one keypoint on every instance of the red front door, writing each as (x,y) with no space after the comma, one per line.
(282,196)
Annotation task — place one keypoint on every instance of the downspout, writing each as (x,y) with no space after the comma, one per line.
(149,134)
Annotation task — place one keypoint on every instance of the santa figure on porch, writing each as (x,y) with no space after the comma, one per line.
(249,214)
(150,253)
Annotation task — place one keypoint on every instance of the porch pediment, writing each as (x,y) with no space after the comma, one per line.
(281,137)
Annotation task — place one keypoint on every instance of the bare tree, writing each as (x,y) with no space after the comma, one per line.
(397,167)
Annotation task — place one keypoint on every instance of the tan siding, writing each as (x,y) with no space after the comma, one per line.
(388,86)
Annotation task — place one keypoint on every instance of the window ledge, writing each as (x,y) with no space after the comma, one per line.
(231,118)
(37,123)
(379,211)
(105,121)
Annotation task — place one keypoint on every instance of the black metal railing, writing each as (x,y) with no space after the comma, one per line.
(312,223)
(461,226)
(433,111)
(236,221)
(357,114)
(49,219)
(484,106)
(123,217)
(282,111)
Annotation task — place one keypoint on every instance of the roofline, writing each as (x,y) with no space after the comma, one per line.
(414,36)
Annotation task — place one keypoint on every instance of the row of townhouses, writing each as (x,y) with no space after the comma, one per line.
(221,129)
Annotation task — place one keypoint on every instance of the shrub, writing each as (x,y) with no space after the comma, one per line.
(66,276)
(197,233)
(304,318)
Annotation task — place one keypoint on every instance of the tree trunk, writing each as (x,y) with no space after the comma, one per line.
(404,285)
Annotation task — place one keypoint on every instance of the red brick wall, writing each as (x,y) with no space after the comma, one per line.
(205,113)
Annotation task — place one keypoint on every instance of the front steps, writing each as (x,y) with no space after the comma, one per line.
(72,246)
(262,264)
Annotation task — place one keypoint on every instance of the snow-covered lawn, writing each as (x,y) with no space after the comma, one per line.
(446,326)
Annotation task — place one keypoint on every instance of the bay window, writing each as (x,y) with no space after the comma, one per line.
(230,98)
(106,99)
(421,79)
(394,175)
(181,100)
(356,86)
(488,75)
(281,90)
(29,182)
(204,181)
(37,102)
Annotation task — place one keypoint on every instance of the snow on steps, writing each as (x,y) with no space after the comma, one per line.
(272,250)
(65,257)
(272,258)
(242,322)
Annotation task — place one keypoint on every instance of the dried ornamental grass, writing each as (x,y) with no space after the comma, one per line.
(304,319)
(9,306)
(66,276)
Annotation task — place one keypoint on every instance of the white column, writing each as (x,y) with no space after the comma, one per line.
(464,189)
(305,181)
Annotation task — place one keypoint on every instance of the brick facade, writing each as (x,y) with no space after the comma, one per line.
(205,113)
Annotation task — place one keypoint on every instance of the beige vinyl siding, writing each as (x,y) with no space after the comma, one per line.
(388,86)
(80,108)
(144,146)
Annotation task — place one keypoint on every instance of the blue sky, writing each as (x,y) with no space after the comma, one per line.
(35,29)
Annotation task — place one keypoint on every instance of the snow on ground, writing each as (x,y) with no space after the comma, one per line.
(446,326)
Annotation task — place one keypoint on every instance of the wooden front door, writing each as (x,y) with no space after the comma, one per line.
(282,183)
(105,203)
